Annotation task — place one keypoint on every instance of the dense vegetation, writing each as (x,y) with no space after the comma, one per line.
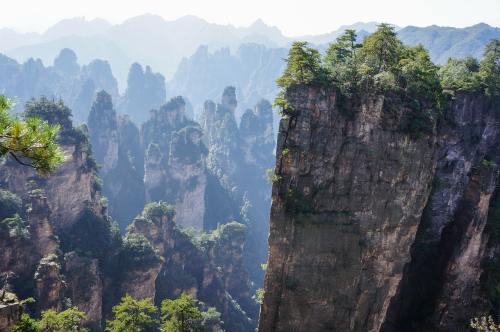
(183,314)
(30,141)
(382,64)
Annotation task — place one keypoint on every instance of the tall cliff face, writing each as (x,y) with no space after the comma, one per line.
(103,132)
(345,212)
(376,230)
(116,147)
(59,236)
(441,288)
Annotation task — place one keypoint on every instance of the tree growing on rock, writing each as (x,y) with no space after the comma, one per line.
(30,141)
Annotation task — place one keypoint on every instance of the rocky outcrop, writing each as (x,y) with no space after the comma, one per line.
(116,147)
(84,287)
(103,132)
(53,215)
(50,285)
(350,193)
(145,91)
(211,271)
(10,311)
(175,162)
(373,229)
(441,289)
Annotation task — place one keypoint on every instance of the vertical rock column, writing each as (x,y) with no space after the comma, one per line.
(350,191)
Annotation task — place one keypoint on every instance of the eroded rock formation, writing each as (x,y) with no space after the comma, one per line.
(373,228)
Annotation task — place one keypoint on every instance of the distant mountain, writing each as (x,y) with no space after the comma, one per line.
(151,40)
(362,29)
(446,42)
(166,44)
(252,69)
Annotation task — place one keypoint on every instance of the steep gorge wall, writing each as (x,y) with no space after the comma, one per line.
(374,229)
(345,211)
(442,286)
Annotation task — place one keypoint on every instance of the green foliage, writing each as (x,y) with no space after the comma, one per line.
(132,315)
(271,177)
(54,112)
(259,295)
(484,324)
(461,75)
(96,183)
(14,227)
(487,163)
(342,61)
(419,75)
(69,320)
(158,209)
(342,50)
(380,65)
(26,324)
(137,251)
(31,142)
(490,68)
(303,66)
(181,315)
(10,204)
(382,49)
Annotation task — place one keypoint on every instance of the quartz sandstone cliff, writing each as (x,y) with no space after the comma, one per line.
(375,229)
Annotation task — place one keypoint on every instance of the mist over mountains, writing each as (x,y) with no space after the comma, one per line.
(169,42)
(189,57)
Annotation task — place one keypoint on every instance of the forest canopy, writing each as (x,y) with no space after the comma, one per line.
(381,63)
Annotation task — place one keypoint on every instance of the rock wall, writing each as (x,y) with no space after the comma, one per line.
(212,271)
(441,289)
(373,229)
(345,211)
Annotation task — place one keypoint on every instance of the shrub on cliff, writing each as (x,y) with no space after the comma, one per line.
(185,314)
(470,75)
(133,315)
(137,251)
(489,70)
(158,209)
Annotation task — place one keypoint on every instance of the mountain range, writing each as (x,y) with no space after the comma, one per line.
(169,42)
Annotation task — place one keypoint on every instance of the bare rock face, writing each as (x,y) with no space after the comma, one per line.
(10,311)
(175,163)
(50,285)
(103,132)
(187,169)
(69,187)
(442,287)
(352,187)
(373,229)
(84,287)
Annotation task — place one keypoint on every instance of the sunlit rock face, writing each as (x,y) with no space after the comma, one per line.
(373,229)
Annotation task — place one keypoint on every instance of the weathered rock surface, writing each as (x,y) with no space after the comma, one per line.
(211,271)
(441,289)
(345,212)
(10,311)
(376,230)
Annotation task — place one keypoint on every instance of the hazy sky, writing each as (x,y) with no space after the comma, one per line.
(293,17)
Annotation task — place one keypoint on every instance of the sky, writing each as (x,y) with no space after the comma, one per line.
(292,17)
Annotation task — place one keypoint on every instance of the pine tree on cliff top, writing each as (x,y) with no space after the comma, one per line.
(31,142)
